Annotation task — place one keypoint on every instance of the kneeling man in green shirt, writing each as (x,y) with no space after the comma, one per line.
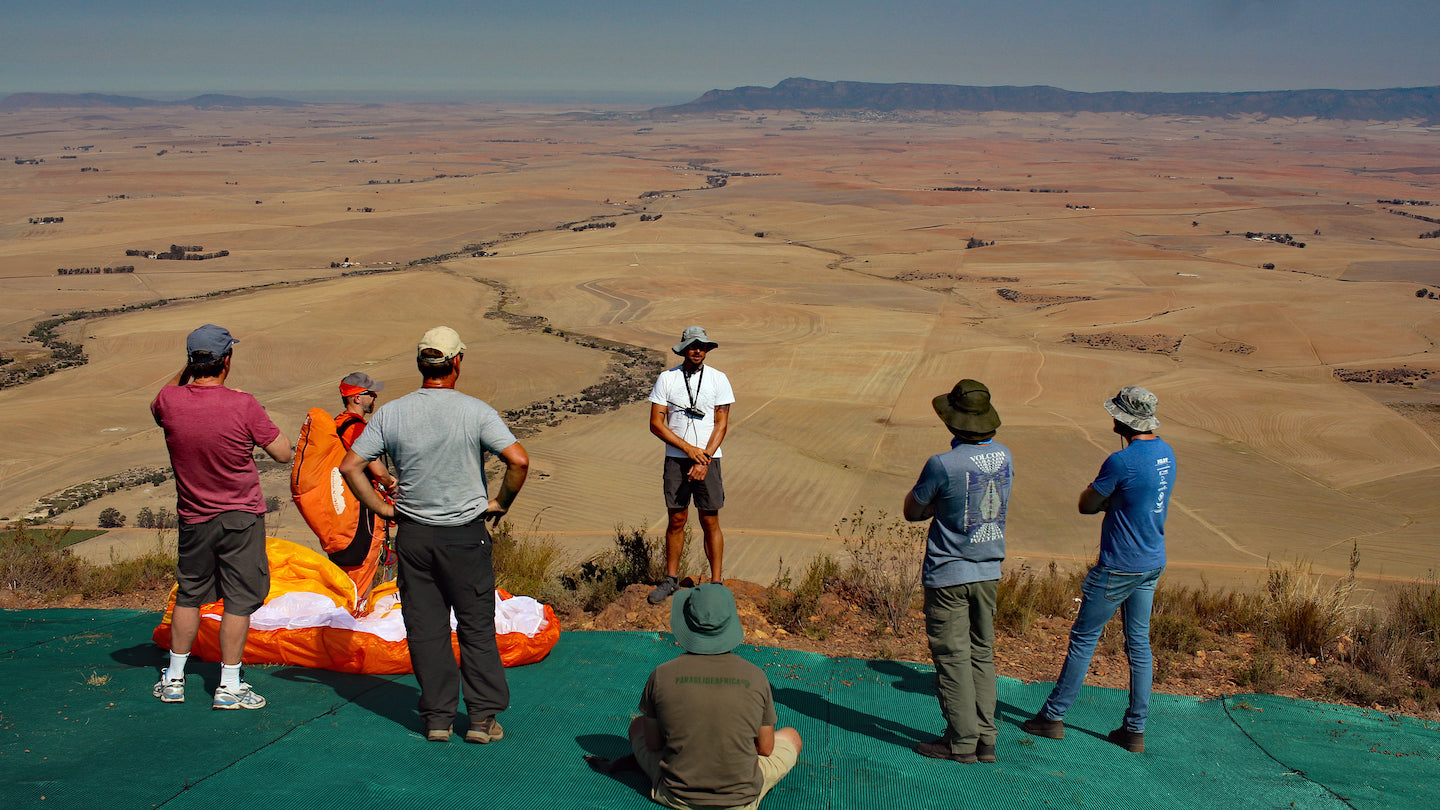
(706,733)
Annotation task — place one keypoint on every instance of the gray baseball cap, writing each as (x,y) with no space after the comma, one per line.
(211,339)
(358,382)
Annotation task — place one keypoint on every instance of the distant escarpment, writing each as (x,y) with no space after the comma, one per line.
(209,101)
(809,94)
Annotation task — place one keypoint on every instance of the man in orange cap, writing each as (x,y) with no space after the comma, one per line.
(361,559)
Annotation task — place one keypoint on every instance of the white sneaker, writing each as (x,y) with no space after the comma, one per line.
(238,697)
(169,691)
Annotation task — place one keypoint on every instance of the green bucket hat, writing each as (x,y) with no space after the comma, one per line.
(967,408)
(705,620)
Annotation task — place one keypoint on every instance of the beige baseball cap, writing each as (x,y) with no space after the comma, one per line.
(442,339)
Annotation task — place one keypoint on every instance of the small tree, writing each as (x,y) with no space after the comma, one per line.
(110,518)
(145,518)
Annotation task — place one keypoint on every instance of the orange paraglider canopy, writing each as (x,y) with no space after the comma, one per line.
(310,619)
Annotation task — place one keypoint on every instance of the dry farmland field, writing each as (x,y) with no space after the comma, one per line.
(827,254)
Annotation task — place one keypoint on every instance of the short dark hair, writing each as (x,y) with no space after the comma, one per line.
(434,371)
(205,364)
(969,437)
(1127,431)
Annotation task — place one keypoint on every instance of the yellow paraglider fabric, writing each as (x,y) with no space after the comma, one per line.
(310,619)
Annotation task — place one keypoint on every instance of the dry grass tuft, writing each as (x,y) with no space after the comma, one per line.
(39,562)
(1024,597)
(1307,614)
(526,563)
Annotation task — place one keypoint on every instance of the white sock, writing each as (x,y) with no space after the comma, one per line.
(229,676)
(176,671)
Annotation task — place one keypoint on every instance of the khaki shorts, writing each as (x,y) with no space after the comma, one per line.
(772,769)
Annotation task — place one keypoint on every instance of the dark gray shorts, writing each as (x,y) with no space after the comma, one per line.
(224,558)
(679,489)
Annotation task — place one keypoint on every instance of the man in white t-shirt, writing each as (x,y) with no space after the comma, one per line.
(690,412)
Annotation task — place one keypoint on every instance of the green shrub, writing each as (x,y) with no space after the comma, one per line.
(1356,685)
(635,559)
(1261,673)
(1415,616)
(792,609)
(155,569)
(887,553)
(1176,632)
(1218,611)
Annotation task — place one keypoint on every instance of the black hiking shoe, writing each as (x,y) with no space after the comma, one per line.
(1132,741)
(940,749)
(667,588)
(1042,726)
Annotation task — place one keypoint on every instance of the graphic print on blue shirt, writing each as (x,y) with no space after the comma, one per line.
(986,523)
(970,489)
(1138,481)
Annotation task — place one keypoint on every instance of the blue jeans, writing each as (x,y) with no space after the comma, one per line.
(1105,591)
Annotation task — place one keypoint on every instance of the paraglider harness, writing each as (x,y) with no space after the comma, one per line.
(344,526)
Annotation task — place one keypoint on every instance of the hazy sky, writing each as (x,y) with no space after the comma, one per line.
(672,51)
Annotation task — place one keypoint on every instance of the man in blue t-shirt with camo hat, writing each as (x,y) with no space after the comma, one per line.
(964,493)
(1133,490)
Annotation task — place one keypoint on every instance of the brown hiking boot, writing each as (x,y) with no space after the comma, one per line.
(1042,726)
(438,734)
(985,752)
(1132,741)
(486,731)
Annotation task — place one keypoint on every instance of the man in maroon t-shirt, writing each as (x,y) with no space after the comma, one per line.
(211,432)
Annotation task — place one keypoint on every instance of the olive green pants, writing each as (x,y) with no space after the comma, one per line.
(960,626)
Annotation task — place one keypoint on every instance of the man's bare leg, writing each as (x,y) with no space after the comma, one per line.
(184,626)
(675,540)
(233,630)
(674,547)
(714,541)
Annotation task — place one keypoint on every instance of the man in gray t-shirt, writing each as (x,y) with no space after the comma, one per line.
(437,438)
(965,494)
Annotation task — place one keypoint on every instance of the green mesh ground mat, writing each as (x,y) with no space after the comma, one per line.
(80,729)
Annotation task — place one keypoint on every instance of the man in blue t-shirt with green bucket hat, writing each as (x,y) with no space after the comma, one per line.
(1133,490)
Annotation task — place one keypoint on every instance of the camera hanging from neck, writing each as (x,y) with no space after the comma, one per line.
(694,410)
